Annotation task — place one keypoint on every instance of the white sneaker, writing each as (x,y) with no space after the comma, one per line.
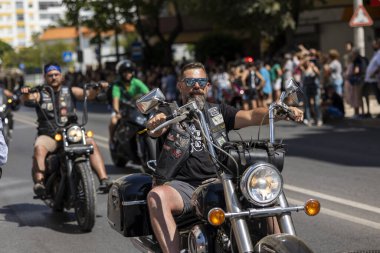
(307,122)
(319,123)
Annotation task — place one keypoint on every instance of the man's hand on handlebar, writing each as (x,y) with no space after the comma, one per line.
(289,113)
(154,122)
(297,113)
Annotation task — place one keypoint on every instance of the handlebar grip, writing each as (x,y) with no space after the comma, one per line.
(291,115)
(170,117)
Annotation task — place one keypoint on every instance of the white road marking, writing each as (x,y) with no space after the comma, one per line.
(103,142)
(331,198)
(342,216)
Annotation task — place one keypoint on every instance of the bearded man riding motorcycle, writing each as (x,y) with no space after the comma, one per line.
(183,165)
(125,89)
(45,142)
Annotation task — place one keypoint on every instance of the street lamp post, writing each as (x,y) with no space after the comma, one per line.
(84,14)
(359,41)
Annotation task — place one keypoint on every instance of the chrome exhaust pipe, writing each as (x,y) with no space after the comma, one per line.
(145,244)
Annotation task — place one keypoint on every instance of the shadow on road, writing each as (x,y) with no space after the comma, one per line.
(39,215)
(128,169)
(338,143)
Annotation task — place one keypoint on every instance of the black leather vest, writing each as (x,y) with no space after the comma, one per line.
(45,112)
(176,147)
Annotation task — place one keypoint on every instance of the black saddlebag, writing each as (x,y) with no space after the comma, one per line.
(127,210)
(247,153)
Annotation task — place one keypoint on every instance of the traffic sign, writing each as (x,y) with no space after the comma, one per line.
(137,51)
(67,56)
(360,17)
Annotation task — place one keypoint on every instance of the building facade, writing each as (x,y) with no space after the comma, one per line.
(21,19)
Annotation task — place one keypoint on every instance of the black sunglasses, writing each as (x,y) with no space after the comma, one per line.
(190,82)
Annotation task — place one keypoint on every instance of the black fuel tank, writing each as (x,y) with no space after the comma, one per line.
(208,196)
(127,210)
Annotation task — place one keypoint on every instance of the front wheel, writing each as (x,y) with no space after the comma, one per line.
(117,159)
(148,151)
(6,133)
(84,203)
(281,243)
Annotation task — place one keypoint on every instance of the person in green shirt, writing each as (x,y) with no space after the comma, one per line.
(126,88)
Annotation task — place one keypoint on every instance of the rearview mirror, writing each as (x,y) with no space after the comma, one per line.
(292,91)
(150,101)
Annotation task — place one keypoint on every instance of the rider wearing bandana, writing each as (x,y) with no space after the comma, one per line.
(184,162)
(45,142)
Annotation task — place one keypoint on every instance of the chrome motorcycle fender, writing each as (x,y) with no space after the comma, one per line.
(207,196)
(127,210)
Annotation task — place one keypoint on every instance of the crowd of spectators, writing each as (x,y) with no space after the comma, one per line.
(329,81)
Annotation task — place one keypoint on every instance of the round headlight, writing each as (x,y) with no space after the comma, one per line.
(261,184)
(74,134)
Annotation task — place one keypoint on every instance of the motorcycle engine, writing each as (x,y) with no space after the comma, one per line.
(197,240)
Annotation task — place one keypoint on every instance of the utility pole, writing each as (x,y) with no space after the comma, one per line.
(359,40)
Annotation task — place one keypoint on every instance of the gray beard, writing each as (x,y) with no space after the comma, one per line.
(200,100)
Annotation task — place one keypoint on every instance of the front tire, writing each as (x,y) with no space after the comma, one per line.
(148,151)
(281,243)
(6,133)
(118,160)
(84,202)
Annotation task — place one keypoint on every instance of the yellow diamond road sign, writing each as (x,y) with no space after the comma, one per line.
(360,17)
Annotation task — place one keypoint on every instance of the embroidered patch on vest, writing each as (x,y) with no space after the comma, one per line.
(218,119)
(177,153)
(213,111)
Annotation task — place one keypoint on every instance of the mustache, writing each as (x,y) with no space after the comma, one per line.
(197,92)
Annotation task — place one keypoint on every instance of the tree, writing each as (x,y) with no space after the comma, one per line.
(253,19)
(34,57)
(146,16)
(4,48)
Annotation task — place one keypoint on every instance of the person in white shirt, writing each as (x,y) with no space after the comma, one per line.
(372,76)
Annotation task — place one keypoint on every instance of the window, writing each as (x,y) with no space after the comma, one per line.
(47,5)
(19,5)
(20,17)
(20,29)
(53,17)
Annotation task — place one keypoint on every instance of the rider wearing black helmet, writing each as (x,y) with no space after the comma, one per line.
(126,88)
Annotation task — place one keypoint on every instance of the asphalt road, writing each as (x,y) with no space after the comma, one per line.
(338,164)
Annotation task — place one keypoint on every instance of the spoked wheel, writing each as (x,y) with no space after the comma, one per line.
(84,202)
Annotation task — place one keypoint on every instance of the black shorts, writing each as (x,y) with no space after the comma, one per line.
(186,190)
(250,94)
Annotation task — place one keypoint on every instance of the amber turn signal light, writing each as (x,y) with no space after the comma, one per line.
(58,137)
(312,207)
(9,100)
(216,216)
(90,134)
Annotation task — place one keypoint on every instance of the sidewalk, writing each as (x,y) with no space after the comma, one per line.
(364,122)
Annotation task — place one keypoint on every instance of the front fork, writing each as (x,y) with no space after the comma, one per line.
(239,224)
(69,166)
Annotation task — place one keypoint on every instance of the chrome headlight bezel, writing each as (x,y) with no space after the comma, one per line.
(74,134)
(261,171)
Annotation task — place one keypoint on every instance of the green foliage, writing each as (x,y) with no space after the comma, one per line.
(255,17)
(35,56)
(218,45)
(4,48)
